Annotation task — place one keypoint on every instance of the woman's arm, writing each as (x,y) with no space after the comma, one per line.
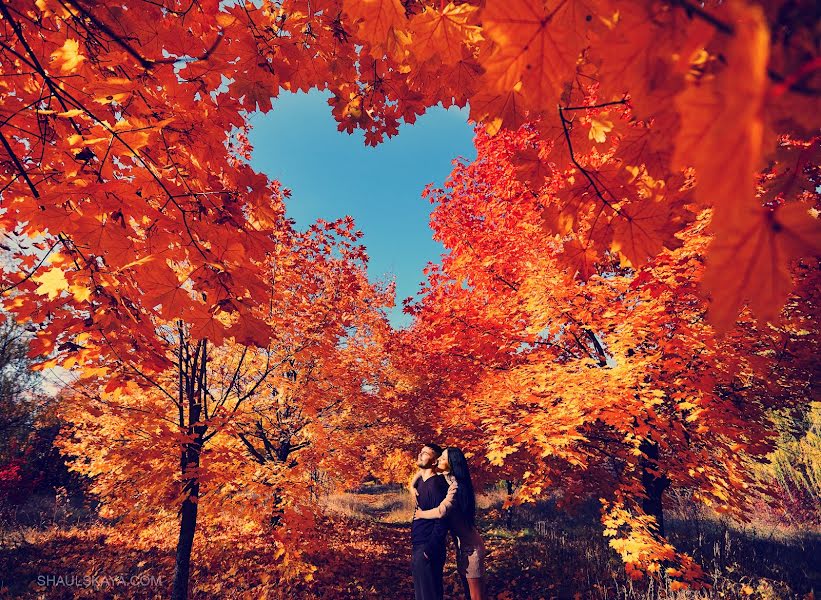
(444,506)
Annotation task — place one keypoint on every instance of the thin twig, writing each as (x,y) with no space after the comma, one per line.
(19,165)
(600,105)
(32,272)
(145,63)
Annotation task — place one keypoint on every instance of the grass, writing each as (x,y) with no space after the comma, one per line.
(546,553)
(362,552)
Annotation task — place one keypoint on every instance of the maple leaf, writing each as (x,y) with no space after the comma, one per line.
(530,168)
(645,51)
(758,251)
(791,172)
(538,43)
(582,257)
(498,109)
(599,130)
(209,326)
(256,94)
(68,56)
(725,112)
(248,330)
(444,33)
(461,82)
(648,223)
(378,22)
(643,228)
(110,89)
(80,292)
(52,282)
(161,286)
(105,237)
(648,145)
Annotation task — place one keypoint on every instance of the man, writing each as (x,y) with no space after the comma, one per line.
(428,536)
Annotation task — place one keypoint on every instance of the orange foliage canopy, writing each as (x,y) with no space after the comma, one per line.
(128,202)
(124,150)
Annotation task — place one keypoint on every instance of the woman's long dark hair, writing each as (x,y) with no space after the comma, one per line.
(465,496)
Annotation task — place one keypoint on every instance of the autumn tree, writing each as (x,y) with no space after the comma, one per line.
(220,433)
(794,470)
(128,201)
(612,385)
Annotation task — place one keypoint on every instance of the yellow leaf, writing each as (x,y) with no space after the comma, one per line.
(225,20)
(599,129)
(68,56)
(71,113)
(52,282)
(80,293)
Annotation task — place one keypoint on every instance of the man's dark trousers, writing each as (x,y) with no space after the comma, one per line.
(427,575)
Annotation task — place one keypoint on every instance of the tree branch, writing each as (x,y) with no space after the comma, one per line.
(19,165)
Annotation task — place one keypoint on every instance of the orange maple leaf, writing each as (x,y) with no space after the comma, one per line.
(378,21)
(750,263)
(530,168)
(722,124)
(498,109)
(162,286)
(642,228)
(538,43)
(444,33)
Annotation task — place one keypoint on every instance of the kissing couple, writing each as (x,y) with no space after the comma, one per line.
(445,502)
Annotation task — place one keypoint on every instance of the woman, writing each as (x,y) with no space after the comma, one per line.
(460,506)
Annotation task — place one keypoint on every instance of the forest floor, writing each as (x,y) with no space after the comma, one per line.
(534,553)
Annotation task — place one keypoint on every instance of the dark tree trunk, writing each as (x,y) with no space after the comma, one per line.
(509,511)
(654,484)
(188,522)
(192,393)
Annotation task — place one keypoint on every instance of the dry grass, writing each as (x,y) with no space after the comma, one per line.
(381,503)
(546,553)
(535,551)
(391,503)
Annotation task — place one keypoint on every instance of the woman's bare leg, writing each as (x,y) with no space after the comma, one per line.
(477,588)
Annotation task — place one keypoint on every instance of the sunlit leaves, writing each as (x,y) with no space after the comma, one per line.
(68,57)
(444,33)
(381,23)
(52,282)
(538,43)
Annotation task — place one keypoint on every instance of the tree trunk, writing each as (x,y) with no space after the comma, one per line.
(192,392)
(188,521)
(509,511)
(654,484)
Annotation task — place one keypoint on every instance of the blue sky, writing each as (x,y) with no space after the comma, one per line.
(332,174)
